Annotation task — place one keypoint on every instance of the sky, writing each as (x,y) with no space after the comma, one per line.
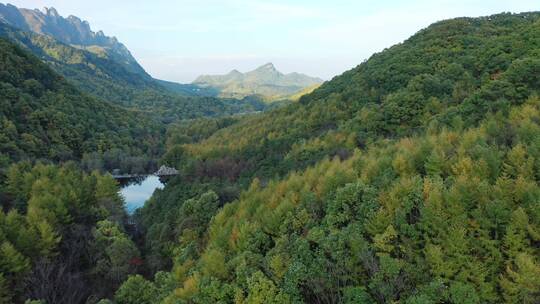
(180,40)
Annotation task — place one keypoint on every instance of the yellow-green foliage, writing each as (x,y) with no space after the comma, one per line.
(48,203)
(453,210)
(412,178)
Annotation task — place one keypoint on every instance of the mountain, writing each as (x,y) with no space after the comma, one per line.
(103,67)
(412,178)
(111,81)
(103,77)
(45,117)
(449,72)
(72,31)
(266,80)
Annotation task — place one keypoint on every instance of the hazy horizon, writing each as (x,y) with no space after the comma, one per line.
(180,40)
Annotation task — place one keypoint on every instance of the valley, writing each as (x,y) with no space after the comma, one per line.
(411,178)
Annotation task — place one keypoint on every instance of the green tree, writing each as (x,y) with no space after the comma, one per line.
(116,255)
(261,290)
(136,290)
(520,282)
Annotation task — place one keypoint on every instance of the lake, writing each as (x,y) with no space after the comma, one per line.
(138,190)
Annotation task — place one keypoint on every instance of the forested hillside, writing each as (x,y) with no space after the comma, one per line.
(44,117)
(413,178)
(454,72)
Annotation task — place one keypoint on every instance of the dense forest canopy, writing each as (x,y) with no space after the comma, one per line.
(412,178)
(62,240)
(450,216)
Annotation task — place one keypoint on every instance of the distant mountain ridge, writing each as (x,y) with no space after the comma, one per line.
(110,79)
(103,66)
(71,30)
(265,80)
(93,74)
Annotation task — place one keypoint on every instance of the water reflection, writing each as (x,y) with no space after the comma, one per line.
(126,182)
(137,190)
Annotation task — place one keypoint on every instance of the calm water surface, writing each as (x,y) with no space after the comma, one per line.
(136,191)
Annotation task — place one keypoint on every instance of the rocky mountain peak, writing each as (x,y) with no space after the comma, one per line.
(71,30)
(265,80)
(268,67)
(51,12)
(235,72)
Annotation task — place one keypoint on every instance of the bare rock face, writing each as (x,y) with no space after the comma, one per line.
(71,30)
